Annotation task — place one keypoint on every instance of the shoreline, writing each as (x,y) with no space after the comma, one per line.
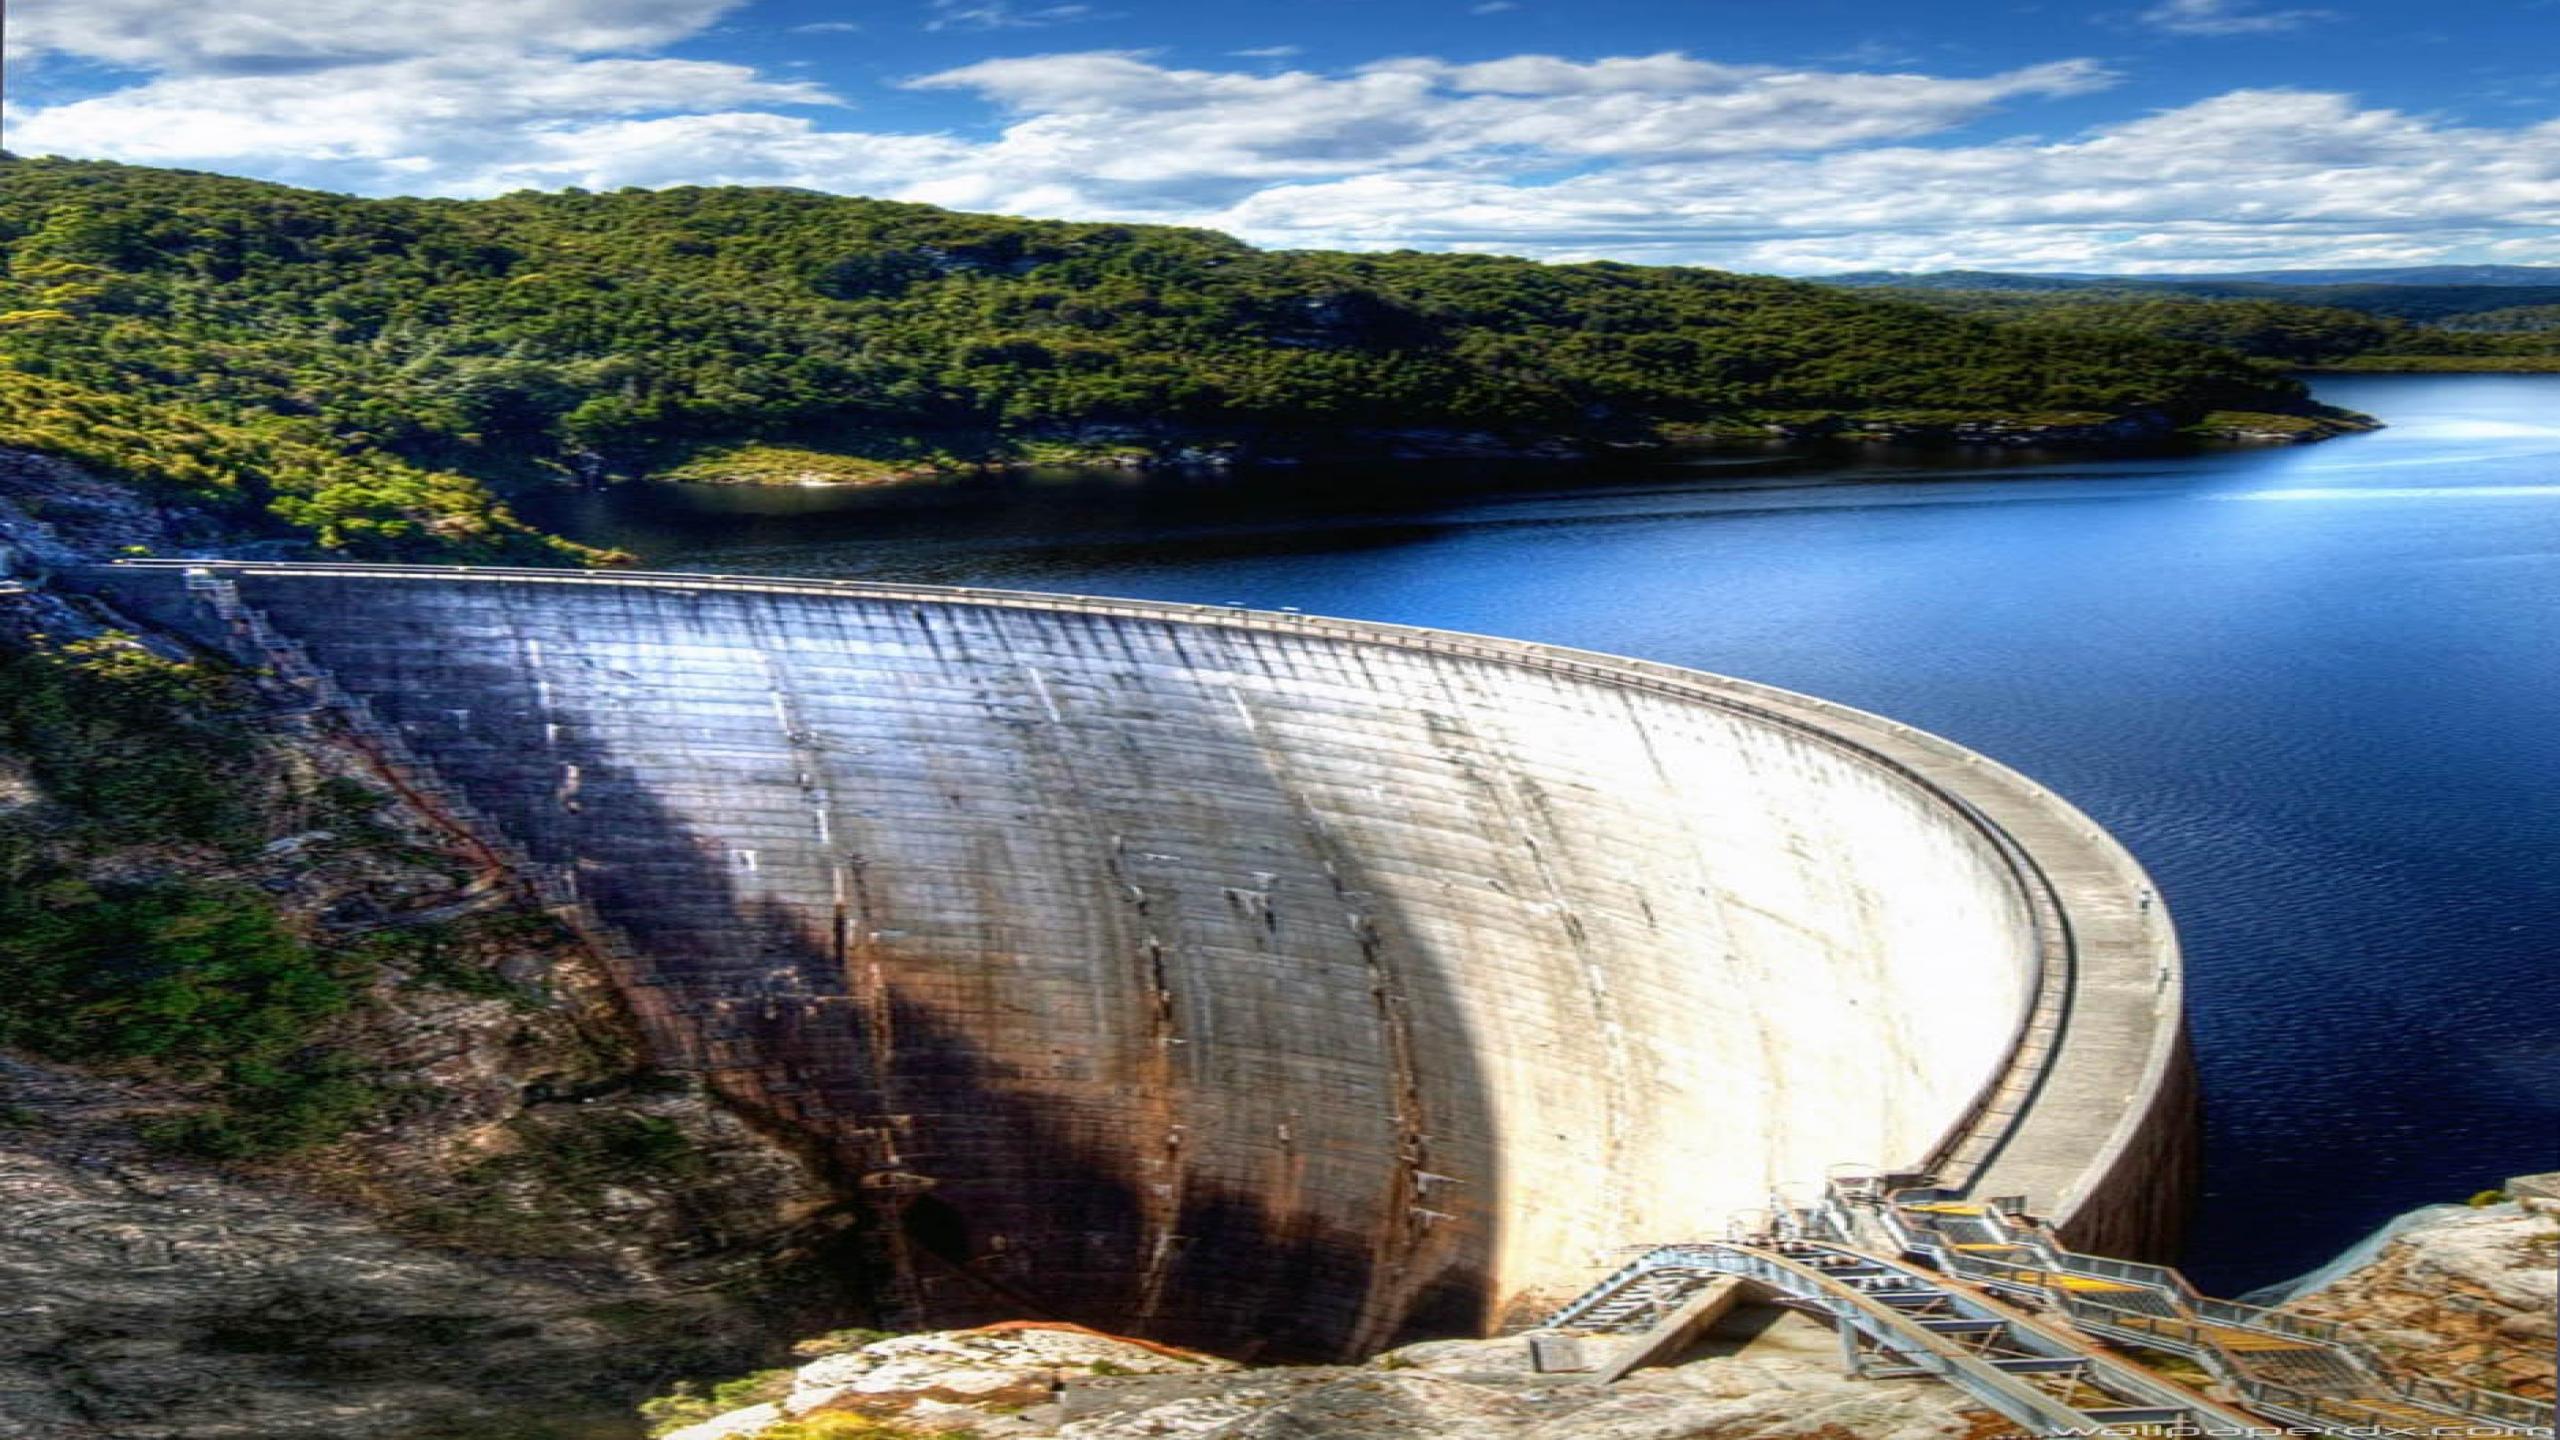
(1139,450)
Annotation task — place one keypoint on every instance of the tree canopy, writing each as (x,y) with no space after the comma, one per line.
(368,371)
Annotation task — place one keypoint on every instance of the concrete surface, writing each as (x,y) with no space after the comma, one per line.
(1268,983)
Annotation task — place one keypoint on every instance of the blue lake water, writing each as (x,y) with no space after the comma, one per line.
(2316,690)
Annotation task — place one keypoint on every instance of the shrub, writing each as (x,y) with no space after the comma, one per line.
(204,982)
(138,748)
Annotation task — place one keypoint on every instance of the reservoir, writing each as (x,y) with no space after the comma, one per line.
(2315,689)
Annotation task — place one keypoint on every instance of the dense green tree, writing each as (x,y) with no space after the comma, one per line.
(137,759)
(365,370)
(2282,330)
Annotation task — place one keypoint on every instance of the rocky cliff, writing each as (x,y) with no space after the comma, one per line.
(1767,1376)
(455,1200)
(2465,1295)
(532,1221)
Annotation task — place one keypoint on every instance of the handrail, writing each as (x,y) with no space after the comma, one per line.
(2337,1339)
(2191,1328)
(2136,1396)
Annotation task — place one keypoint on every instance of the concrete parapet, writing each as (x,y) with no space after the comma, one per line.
(1251,980)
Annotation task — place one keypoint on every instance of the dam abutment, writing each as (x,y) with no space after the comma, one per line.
(1257,980)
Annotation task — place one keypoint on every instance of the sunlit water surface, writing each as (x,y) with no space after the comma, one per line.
(2316,689)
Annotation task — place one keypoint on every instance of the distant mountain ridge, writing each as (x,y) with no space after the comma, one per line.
(2427,294)
(2547,276)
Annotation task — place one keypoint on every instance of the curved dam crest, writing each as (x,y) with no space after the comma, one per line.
(1260,983)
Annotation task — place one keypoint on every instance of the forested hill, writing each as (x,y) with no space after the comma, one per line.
(2423,295)
(2333,336)
(364,370)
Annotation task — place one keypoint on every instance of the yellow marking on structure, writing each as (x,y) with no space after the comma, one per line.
(2253,1342)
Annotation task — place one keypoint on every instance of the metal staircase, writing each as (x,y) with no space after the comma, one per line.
(1878,1265)
(1897,1319)
(2285,1367)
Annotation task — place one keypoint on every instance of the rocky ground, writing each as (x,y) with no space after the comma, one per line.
(2466,1296)
(1032,1382)
(535,1222)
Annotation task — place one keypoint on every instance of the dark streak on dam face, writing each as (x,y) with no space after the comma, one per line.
(1267,985)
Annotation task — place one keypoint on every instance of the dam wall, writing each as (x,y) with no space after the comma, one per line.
(1263,983)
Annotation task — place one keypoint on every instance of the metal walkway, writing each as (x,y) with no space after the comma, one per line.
(1896,1319)
(2287,1368)
(1987,1302)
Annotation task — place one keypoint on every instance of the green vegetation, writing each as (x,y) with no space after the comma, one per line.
(838,1342)
(373,373)
(791,465)
(133,746)
(689,1404)
(2228,423)
(262,470)
(441,954)
(531,1200)
(2461,364)
(2508,319)
(186,974)
(2324,336)
(198,980)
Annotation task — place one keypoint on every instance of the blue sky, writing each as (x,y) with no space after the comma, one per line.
(1799,137)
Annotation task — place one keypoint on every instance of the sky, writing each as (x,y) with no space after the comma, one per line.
(1789,136)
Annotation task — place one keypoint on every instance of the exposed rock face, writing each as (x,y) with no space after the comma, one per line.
(58,512)
(533,1230)
(995,1382)
(480,1257)
(955,1380)
(2467,1296)
(148,1298)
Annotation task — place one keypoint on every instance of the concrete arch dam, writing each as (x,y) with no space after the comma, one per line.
(1262,982)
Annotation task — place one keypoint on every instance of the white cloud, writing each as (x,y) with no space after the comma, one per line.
(743,148)
(1664,157)
(2226,17)
(251,36)
(430,95)
(2247,176)
(826,27)
(1006,15)
(1081,110)
(415,123)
